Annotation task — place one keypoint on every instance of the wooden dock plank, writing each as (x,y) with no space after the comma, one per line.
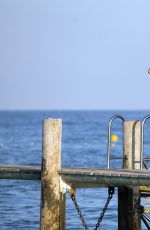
(22,172)
(80,177)
(84,178)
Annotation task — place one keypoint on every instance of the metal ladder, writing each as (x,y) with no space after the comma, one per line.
(109,139)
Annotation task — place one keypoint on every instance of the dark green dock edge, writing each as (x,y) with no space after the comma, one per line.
(81,177)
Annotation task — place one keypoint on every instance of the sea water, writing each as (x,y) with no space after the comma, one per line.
(84,144)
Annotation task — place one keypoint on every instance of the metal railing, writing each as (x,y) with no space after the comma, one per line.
(109,138)
(142,143)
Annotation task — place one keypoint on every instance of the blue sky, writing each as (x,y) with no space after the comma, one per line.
(74,54)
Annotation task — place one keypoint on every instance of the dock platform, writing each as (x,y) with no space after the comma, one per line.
(81,177)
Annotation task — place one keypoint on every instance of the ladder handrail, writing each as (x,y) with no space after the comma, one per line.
(142,140)
(109,136)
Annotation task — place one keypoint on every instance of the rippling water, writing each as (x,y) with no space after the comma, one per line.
(84,144)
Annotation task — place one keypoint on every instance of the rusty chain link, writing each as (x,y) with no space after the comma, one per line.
(110,195)
(79,212)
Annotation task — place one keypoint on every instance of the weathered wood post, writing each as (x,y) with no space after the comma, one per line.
(129,197)
(52,200)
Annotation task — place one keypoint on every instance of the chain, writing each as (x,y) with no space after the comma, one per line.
(110,195)
(79,212)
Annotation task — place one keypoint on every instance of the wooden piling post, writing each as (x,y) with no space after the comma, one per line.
(52,200)
(129,217)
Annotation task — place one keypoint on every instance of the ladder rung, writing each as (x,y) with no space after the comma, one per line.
(117,158)
(147,159)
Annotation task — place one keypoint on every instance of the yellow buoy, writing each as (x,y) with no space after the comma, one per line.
(114,138)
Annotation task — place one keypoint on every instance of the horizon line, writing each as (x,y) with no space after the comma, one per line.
(69,110)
